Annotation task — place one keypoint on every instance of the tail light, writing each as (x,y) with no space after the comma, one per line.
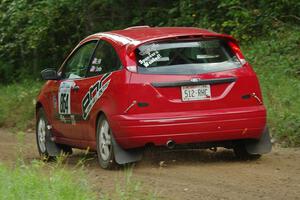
(132,68)
(236,49)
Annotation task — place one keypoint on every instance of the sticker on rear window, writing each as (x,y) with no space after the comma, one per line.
(150,59)
(150,54)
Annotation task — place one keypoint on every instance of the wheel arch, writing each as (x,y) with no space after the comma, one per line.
(99,114)
(38,106)
(121,155)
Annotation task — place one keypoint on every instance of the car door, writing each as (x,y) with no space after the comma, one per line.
(103,66)
(70,89)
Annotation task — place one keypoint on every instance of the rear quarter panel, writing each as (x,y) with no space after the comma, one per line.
(113,102)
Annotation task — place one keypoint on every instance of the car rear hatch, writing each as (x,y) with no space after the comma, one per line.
(200,88)
(189,75)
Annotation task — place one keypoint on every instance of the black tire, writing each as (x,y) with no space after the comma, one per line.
(105,151)
(241,152)
(42,141)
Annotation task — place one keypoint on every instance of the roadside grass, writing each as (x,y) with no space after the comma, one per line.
(276,60)
(39,180)
(59,181)
(34,182)
(17,104)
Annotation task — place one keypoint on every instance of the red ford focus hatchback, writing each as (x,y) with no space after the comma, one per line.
(120,91)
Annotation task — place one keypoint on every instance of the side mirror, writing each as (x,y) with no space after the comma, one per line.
(49,74)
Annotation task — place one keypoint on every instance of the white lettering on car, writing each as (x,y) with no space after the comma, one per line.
(150,54)
(151,58)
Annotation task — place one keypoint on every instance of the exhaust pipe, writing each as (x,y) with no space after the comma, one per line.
(170,144)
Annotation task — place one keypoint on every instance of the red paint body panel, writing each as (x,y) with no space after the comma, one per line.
(226,116)
(186,127)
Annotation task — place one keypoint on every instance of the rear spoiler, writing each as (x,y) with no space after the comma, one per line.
(131,46)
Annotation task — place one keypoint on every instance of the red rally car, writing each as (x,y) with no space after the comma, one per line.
(120,91)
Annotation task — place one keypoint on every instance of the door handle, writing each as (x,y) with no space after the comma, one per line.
(75,88)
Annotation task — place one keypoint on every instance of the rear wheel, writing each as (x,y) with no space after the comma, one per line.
(105,149)
(241,152)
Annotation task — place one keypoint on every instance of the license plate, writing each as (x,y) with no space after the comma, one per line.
(195,92)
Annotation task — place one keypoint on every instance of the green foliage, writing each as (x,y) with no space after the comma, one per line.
(17,104)
(35,182)
(242,19)
(39,180)
(276,60)
(35,34)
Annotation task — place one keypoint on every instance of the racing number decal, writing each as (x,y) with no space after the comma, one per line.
(64,98)
(64,107)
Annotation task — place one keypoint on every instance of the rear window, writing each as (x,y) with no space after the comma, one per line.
(186,57)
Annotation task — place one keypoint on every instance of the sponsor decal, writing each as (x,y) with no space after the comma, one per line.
(97,61)
(69,119)
(94,93)
(96,65)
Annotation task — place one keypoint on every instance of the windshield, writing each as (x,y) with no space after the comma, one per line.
(188,57)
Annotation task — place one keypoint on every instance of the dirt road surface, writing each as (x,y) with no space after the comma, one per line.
(188,174)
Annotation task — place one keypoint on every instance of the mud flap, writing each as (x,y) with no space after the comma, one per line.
(52,148)
(123,156)
(261,146)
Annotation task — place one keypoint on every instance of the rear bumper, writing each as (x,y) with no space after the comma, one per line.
(136,130)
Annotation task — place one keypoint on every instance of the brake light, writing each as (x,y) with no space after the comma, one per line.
(237,51)
(132,65)
(132,55)
(132,68)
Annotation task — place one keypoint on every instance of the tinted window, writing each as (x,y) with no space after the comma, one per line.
(105,60)
(77,65)
(188,57)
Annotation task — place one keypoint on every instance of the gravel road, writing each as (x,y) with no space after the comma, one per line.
(197,174)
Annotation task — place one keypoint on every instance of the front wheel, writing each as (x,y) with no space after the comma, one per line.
(47,148)
(41,133)
(105,151)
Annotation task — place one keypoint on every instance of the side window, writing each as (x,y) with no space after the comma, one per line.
(105,60)
(78,63)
